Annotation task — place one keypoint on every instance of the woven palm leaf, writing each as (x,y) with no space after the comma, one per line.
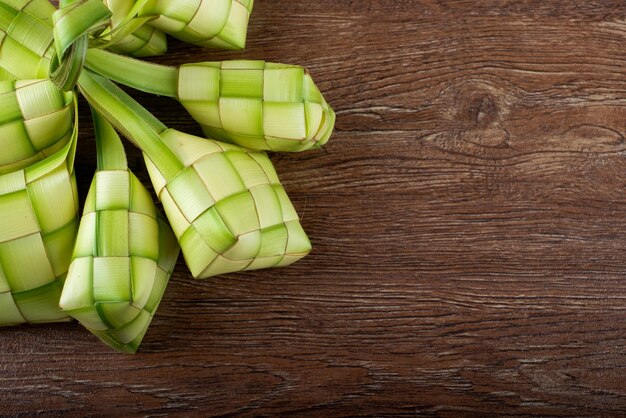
(213,23)
(124,255)
(36,121)
(228,208)
(146,41)
(256,104)
(26,41)
(38,224)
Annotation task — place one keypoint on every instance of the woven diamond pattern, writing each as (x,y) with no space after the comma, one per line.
(25,32)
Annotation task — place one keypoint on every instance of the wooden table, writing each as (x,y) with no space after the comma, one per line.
(467,220)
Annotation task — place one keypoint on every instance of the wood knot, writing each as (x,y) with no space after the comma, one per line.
(476,104)
(478,112)
(481,110)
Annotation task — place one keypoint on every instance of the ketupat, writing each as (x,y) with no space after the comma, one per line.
(212,23)
(228,208)
(254,104)
(36,121)
(125,252)
(225,203)
(38,224)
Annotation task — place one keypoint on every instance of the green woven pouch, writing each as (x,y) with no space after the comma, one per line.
(125,252)
(38,224)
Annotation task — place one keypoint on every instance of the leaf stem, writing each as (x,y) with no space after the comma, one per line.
(111,154)
(132,120)
(152,78)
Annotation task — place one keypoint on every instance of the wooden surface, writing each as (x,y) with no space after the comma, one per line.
(467,220)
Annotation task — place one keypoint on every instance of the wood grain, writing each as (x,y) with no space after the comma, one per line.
(467,220)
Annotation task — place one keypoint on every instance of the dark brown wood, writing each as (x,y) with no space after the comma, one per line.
(467,219)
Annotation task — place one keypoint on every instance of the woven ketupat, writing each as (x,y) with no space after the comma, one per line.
(36,120)
(228,208)
(256,104)
(146,41)
(38,224)
(25,37)
(213,23)
(125,252)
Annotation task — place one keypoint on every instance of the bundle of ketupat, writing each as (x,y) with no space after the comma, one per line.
(227,209)
(225,203)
